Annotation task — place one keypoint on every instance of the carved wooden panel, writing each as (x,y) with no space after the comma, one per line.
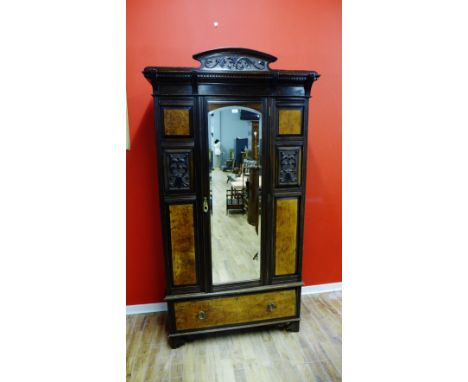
(234,63)
(178,170)
(286,236)
(234,60)
(234,310)
(176,122)
(182,244)
(289,166)
(290,122)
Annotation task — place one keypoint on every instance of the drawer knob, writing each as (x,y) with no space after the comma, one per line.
(201,315)
(271,307)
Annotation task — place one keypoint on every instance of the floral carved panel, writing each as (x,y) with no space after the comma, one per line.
(289,166)
(234,63)
(178,169)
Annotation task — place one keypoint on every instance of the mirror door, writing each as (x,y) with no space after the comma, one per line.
(235,161)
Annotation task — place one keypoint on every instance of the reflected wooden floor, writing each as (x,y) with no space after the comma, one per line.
(234,241)
(313,354)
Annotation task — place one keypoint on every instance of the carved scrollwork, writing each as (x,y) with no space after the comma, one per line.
(234,63)
(289,166)
(210,63)
(178,171)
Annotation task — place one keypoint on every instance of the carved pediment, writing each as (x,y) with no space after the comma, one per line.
(234,60)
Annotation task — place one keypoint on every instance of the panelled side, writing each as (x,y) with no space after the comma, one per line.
(289,149)
(177,184)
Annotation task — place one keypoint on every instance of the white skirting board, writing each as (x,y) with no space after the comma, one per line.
(146,308)
(321,288)
(162,306)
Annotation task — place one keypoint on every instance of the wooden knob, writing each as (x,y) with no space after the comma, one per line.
(271,307)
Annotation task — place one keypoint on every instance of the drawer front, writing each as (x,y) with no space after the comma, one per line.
(234,310)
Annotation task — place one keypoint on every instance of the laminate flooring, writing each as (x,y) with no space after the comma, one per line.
(234,241)
(268,355)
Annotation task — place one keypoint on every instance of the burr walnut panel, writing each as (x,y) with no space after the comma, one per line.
(182,244)
(176,122)
(286,236)
(290,122)
(235,310)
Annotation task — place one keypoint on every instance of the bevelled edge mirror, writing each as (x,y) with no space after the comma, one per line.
(235,180)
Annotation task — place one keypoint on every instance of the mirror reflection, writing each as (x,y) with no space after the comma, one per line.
(235,141)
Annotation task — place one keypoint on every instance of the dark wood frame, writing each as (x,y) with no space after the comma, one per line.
(230,76)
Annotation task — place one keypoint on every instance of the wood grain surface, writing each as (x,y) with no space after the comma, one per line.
(176,122)
(313,354)
(182,244)
(290,122)
(234,310)
(286,236)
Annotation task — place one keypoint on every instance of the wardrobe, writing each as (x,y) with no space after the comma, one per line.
(232,218)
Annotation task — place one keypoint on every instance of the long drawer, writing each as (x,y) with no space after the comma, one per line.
(204,313)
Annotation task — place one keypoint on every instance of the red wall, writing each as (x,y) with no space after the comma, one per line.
(303,35)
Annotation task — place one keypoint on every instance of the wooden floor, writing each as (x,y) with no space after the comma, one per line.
(234,241)
(313,354)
